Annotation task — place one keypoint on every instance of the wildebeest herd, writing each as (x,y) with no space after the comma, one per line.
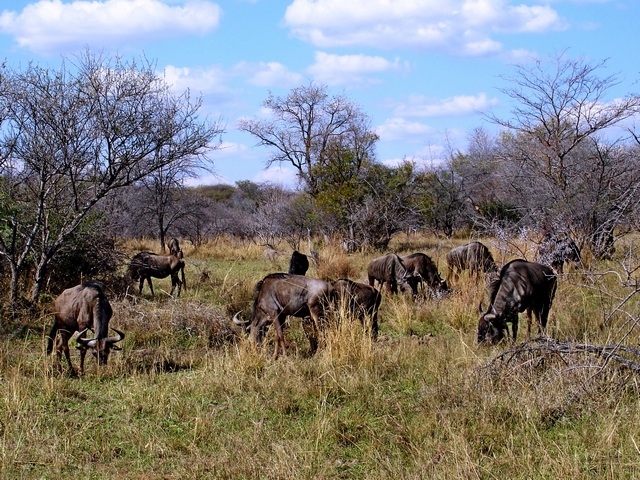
(517,287)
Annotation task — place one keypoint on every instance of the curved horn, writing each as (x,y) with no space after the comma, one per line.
(480,309)
(237,320)
(115,339)
(87,342)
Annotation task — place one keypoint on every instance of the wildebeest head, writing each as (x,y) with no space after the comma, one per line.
(101,347)
(490,327)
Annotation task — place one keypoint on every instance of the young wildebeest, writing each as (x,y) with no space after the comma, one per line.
(390,272)
(421,268)
(279,295)
(557,249)
(521,286)
(145,265)
(77,309)
(362,301)
(299,263)
(474,256)
(174,248)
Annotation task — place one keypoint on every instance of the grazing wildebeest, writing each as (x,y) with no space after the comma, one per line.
(557,249)
(174,248)
(299,263)
(521,286)
(389,271)
(421,268)
(279,295)
(145,265)
(474,256)
(362,301)
(77,309)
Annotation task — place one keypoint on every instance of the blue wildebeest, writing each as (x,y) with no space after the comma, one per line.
(279,295)
(145,265)
(390,271)
(474,256)
(422,269)
(299,263)
(556,249)
(77,309)
(521,286)
(361,300)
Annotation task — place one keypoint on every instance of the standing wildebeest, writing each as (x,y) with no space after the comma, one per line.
(474,256)
(557,249)
(389,271)
(279,295)
(174,248)
(77,309)
(299,263)
(362,300)
(521,286)
(421,268)
(145,265)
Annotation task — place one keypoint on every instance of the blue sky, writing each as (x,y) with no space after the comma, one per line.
(423,70)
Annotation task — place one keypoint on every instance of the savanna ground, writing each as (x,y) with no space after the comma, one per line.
(189,398)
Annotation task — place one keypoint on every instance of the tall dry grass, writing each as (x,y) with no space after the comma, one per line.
(190,397)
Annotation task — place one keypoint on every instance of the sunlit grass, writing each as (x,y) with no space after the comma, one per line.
(190,397)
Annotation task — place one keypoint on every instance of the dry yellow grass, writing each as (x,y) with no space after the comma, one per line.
(190,397)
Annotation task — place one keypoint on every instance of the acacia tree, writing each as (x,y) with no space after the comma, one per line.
(73,135)
(562,112)
(310,129)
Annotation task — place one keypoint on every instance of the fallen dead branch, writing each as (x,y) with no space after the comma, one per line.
(532,351)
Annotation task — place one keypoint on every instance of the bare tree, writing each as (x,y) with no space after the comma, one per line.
(559,147)
(309,129)
(72,135)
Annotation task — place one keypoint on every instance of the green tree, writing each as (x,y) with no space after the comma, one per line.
(313,131)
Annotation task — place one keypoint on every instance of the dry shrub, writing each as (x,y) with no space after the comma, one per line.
(184,324)
(334,265)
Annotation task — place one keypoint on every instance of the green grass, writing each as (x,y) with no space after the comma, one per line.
(189,398)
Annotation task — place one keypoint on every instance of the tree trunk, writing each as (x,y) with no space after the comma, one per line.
(38,280)
(161,235)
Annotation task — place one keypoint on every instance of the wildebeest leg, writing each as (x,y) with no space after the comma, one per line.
(63,347)
(141,283)
(279,323)
(309,326)
(514,328)
(541,317)
(175,281)
(374,325)
(83,352)
(529,321)
(150,286)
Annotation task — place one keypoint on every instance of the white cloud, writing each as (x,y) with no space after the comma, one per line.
(463,27)
(49,25)
(459,105)
(203,80)
(269,74)
(338,69)
(394,129)
(279,175)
